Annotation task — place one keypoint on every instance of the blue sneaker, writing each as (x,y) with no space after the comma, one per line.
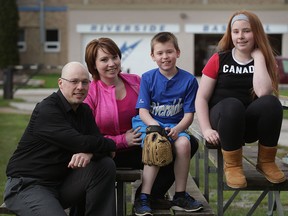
(142,205)
(187,204)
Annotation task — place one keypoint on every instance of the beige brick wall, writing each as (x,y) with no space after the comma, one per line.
(46,2)
(176,1)
(35,51)
(58,20)
(152,2)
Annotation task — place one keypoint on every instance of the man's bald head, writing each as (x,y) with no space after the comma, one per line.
(72,67)
(74,83)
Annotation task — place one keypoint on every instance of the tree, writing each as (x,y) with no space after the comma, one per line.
(9,30)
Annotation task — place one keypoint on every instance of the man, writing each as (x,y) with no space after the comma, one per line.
(62,158)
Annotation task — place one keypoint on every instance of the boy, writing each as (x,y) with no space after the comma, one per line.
(166,98)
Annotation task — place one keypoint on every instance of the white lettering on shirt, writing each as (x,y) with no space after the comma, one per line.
(238,69)
(167,110)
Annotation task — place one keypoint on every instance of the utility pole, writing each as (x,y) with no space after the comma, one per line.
(42,29)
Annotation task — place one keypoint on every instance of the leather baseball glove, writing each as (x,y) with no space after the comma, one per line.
(157,148)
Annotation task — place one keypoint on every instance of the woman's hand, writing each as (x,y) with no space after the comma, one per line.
(80,160)
(256,53)
(211,136)
(133,137)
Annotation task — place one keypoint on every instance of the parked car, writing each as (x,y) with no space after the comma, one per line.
(282,69)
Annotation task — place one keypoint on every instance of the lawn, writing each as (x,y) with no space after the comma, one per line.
(50,79)
(11,129)
(284,92)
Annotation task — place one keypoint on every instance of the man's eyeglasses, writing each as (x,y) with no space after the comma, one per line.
(76,81)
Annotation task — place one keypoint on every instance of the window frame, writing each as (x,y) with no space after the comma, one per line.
(21,43)
(52,45)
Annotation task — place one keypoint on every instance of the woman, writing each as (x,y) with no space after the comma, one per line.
(112,97)
(237,99)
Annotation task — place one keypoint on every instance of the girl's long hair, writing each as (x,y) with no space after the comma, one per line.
(261,42)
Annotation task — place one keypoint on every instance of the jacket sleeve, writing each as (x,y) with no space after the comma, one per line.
(91,98)
(53,126)
(120,140)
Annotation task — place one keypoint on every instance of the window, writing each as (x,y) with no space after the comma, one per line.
(52,43)
(21,41)
(285,66)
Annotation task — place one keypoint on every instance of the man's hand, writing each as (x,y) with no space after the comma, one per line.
(113,154)
(80,160)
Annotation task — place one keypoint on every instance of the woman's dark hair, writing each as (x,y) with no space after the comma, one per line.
(107,45)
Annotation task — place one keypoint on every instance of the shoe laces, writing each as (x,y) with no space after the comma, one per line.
(187,200)
(188,197)
(190,201)
(144,200)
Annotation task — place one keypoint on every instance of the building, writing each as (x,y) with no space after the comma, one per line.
(54,32)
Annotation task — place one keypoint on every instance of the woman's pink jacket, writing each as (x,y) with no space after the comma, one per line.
(102,101)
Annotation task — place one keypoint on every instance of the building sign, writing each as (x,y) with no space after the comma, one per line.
(205,28)
(276,29)
(135,50)
(126,28)
(221,28)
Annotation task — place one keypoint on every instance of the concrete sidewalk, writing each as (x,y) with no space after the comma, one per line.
(32,96)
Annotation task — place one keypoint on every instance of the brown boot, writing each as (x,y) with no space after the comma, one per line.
(233,169)
(267,166)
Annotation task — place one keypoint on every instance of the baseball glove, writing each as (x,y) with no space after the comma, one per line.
(157,148)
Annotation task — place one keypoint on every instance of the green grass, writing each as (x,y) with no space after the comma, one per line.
(11,129)
(285,114)
(284,93)
(50,79)
(6,102)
